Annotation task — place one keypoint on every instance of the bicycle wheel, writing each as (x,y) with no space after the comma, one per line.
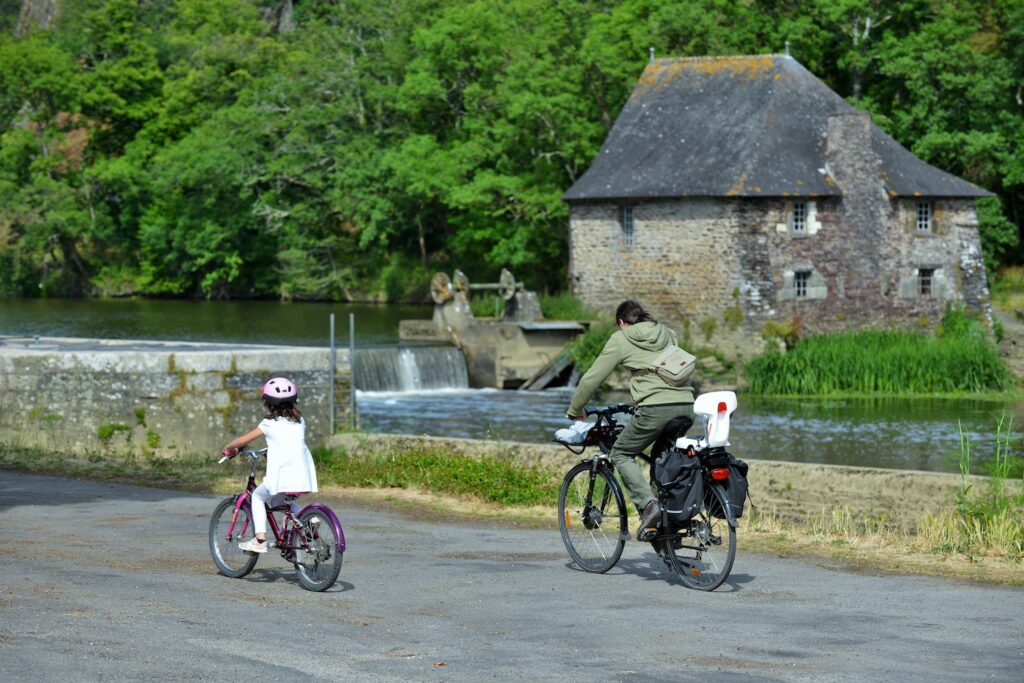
(592,517)
(703,552)
(319,560)
(229,559)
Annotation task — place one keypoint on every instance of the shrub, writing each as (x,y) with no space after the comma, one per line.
(585,348)
(565,306)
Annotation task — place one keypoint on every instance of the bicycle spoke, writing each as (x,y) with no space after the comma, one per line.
(704,559)
(591,516)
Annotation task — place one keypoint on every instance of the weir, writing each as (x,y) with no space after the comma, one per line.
(410,368)
(518,350)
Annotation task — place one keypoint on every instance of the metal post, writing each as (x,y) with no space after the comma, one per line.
(352,368)
(330,387)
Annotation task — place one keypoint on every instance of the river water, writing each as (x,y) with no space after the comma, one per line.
(922,434)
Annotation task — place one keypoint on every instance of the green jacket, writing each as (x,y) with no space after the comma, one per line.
(635,347)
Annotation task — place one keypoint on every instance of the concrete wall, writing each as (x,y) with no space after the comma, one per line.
(163,398)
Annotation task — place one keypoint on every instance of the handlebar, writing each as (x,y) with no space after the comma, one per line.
(247,452)
(608,411)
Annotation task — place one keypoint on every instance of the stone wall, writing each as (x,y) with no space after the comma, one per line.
(151,397)
(687,265)
(796,492)
(717,269)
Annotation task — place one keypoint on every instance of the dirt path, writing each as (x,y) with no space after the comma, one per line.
(112,582)
(1011,348)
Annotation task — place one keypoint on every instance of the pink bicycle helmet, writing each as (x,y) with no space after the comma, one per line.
(280,390)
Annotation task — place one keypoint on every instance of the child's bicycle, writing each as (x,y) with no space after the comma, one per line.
(311,539)
(592,511)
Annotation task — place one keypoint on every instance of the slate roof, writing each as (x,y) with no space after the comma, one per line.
(738,126)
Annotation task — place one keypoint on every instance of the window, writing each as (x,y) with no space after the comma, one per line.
(626,223)
(800,280)
(925,279)
(924,217)
(799,217)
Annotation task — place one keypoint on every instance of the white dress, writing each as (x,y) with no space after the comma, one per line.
(290,466)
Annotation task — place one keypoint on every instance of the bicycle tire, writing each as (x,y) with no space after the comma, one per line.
(592,517)
(701,561)
(319,561)
(229,559)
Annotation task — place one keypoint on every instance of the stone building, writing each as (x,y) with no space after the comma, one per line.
(733,191)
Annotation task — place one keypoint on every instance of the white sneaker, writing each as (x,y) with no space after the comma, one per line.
(254,546)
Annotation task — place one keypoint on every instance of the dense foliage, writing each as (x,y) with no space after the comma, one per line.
(958,357)
(329,149)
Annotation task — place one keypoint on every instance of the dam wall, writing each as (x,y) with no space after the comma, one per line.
(162,398)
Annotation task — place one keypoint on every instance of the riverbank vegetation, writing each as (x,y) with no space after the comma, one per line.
(957,357)
(978,535)
(252,148)
(1007,289)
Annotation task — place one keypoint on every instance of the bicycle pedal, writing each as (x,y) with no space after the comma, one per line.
(646,534)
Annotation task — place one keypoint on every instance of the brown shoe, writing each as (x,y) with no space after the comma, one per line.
(650,517)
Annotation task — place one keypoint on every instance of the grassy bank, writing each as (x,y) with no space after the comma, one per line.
(980,536)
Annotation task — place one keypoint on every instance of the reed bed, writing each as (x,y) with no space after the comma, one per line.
(881,362)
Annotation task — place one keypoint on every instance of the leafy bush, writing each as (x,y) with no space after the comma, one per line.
(585,348)
(565,306)
(487,306)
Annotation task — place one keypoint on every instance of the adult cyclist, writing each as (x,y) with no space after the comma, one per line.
(636,344)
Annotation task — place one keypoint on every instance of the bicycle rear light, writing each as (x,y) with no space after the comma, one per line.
(720,473)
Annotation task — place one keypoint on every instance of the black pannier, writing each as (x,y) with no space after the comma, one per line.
(681,479)
(735,487)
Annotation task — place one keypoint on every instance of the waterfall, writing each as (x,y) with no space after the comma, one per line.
(410,368)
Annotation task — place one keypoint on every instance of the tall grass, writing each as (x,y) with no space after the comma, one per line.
(565,306)
(989,520)
(562,306)
(958,358)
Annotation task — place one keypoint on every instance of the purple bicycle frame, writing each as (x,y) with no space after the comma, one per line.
(245,500)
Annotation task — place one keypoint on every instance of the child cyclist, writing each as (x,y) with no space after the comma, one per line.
(290,467)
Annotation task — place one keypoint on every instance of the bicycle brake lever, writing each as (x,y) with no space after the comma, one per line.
(223,460)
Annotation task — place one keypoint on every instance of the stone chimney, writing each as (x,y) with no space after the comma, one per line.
(856,169)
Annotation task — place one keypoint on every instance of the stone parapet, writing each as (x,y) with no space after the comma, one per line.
(155,397)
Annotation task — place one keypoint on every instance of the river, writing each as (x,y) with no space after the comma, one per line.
(922,434)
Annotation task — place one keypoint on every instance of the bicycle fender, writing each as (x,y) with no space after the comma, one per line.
(722,498)
(332,518)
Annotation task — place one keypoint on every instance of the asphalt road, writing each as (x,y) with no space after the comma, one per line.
(115,583)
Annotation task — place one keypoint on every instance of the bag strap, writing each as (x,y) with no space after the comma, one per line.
(640,372)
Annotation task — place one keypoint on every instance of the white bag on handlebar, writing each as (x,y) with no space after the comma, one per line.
(575,434)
